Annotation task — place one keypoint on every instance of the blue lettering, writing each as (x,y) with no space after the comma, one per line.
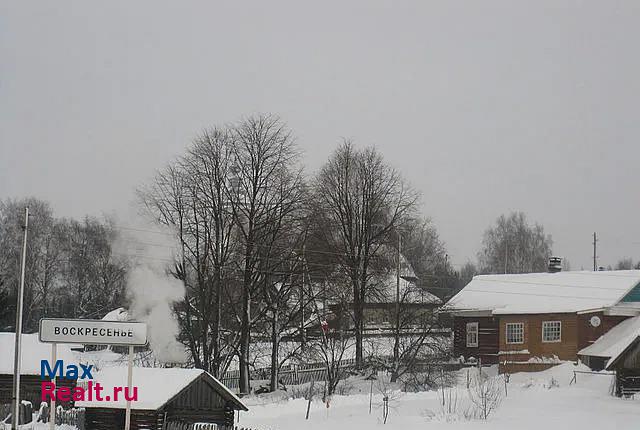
(45,369)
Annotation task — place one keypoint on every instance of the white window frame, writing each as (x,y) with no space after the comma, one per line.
(471,328)
(559,339)
(520,325)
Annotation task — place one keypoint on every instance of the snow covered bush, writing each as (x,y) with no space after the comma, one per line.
(485,394)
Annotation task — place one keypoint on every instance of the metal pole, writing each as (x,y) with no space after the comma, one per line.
(595,258)
(506,253)
(127,419)
(52,409)
(18,338)
(396,344)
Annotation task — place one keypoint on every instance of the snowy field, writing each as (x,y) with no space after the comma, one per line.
(542,400)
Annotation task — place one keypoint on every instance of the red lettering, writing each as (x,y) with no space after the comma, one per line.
(78,394)
(133,398)
(98,389)
(116,391)
(64,394)
(47,388)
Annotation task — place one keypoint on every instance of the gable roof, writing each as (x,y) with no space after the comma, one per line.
(615,342)
(33,351)
(156,386)
(532,293)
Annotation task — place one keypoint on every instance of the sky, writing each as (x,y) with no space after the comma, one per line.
(485,107)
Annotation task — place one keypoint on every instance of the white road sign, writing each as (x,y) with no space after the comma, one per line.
(92,332)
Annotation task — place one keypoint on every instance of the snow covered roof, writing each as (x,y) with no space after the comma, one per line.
(120,314)
(32,352)
(545,292)
(615,341)
(156,386)
(385,284)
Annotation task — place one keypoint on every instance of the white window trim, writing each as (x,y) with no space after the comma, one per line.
(477,329)
(551,341)
(506,333)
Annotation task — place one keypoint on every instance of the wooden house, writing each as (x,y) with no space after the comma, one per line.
(530,322)
(618,351)
(164,396)
(33,351)
(379,307)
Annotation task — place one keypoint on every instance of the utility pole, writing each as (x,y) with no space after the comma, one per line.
(396,343)
(15,419)
(595,257)
(506,253)
(303,334)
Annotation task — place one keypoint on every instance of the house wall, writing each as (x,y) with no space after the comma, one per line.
(587,333)
(113,419)
(30,389)
(534,354)
(200,402)
(488,342)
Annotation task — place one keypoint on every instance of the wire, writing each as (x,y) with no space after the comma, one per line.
(284,248)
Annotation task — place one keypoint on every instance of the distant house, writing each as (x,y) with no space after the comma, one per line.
(529,322)
(618,350)
(380,301)
(33,351)
(165,396)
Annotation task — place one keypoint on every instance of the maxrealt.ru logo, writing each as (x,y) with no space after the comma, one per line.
(92,391)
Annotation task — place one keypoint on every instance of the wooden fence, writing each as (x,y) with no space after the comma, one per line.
(201,426)
(295,374)
(74,417)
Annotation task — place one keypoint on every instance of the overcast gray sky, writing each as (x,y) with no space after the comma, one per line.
(487,107)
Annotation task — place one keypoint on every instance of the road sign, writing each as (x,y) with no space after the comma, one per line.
(93,332)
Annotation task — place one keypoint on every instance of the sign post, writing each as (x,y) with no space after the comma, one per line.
(94,332)
(52,409)
(127,419)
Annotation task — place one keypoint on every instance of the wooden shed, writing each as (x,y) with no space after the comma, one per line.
(33,351)
(618,350)
(163,396)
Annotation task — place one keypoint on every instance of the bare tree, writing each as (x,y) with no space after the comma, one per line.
(485,393)
(71,269)
(190,197)
(361,200)
(514,246)
(266,200)
(624,264)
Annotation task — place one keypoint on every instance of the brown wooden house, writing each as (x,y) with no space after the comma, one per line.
(164,396)
(530,322)
(618,351)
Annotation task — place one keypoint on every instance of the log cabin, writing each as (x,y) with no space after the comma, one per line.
(530,322)
(164,395)
(33,351)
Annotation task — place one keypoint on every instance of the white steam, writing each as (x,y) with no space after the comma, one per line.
(151,290)
(152,296)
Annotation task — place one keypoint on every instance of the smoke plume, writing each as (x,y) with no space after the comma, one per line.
(152,291)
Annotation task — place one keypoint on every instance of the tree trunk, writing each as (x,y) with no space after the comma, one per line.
(274,352)
(245,327)
(357,320)
(216,324)
(244,386)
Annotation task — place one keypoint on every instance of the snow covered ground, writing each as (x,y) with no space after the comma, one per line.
(535,400)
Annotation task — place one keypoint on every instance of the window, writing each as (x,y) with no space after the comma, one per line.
(472,335)
(515,333)
(551,331)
